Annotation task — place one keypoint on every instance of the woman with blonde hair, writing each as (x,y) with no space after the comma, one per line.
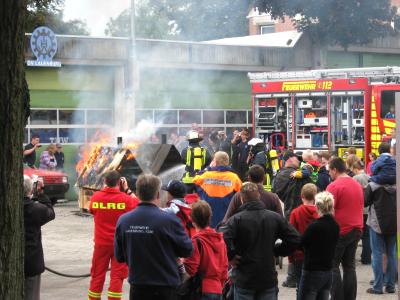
(350,161)
(319,242)
(47,159)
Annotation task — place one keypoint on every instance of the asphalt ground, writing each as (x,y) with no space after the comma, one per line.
(68,246)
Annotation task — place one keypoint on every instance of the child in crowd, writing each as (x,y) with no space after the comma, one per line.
(309,167)
(300,218)
(209,257)
(384,167)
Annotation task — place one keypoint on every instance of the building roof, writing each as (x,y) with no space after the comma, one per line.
(285,39)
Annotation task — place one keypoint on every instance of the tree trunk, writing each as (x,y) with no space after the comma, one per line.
(14,107)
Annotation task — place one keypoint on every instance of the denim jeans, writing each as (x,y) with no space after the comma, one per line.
(315,285)
(383,244)
(345,255)
(211,297)
(244,294)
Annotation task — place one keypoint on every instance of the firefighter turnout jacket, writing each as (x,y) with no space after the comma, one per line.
(107,206)
(217,186)
(196,158)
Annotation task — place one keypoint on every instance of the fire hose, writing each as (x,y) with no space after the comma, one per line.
(67,275)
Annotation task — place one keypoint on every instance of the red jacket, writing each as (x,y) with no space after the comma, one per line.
(300,218)
(211,260)
(107,206)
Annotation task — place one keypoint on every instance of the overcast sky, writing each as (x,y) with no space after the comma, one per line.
(96,13)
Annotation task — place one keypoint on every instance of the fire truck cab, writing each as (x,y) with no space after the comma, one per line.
(329,110)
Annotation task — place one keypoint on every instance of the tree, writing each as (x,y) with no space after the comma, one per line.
(342,22)
(14,108)
(196,20)
(50,13)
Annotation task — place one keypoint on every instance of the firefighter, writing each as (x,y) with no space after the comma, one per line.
(107,206)
(268,159)
(195,157)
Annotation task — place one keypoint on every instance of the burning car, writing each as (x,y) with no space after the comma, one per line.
(55,183)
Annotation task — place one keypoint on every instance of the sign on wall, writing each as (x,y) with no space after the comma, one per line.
(44,47)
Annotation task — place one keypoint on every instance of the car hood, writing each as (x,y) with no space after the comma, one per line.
(42,173)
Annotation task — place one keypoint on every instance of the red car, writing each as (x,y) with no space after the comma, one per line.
(55,183)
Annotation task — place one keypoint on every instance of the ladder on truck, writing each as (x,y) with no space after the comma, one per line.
(390,74)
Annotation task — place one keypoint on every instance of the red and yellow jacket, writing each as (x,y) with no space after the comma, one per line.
(107,206)
(217,186)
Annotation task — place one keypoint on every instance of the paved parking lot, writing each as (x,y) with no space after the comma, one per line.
(68,242)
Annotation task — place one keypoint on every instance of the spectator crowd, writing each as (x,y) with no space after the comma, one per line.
(220,232)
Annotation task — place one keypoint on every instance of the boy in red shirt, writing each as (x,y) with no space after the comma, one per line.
(107,206)
(300,218)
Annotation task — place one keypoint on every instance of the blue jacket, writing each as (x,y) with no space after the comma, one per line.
(384,169)
(150,240)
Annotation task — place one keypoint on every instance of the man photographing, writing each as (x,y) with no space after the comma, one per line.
(36,214)
(30,151)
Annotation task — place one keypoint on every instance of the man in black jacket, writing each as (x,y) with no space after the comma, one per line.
(381,200)
(36,214)
(150,241)
(250,236)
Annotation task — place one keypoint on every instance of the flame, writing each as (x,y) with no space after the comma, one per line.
(98,157)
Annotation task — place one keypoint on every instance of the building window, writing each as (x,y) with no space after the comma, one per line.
(95,117)
(213,117)
(144,115)
(43,117)
(71,135)
(236,117)
(265,29)
(47,136)
(189,116)
(165,117)
(71,117)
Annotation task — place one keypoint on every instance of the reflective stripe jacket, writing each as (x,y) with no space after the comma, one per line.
(217,186)
(107,206)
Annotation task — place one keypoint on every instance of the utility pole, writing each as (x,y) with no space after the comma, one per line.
(133,68)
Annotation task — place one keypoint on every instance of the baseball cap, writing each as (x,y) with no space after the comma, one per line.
(176,188)
(58,145)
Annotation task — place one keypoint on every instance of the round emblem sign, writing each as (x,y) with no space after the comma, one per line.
(43,43)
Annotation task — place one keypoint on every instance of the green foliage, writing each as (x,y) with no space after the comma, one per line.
(184,19)
(50,13)
(342,22)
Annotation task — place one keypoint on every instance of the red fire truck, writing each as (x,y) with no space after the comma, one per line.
(325,109)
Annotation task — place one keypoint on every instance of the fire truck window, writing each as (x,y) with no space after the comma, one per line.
(166,116)
(69,117)
(99,117)
(387,104)
(43,117)
(236,117)
(213,117)
(189,116)
(71,135)
(144,115)
(47,136)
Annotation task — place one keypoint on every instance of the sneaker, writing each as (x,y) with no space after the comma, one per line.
(289,284)
(390,290)
(372,291)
